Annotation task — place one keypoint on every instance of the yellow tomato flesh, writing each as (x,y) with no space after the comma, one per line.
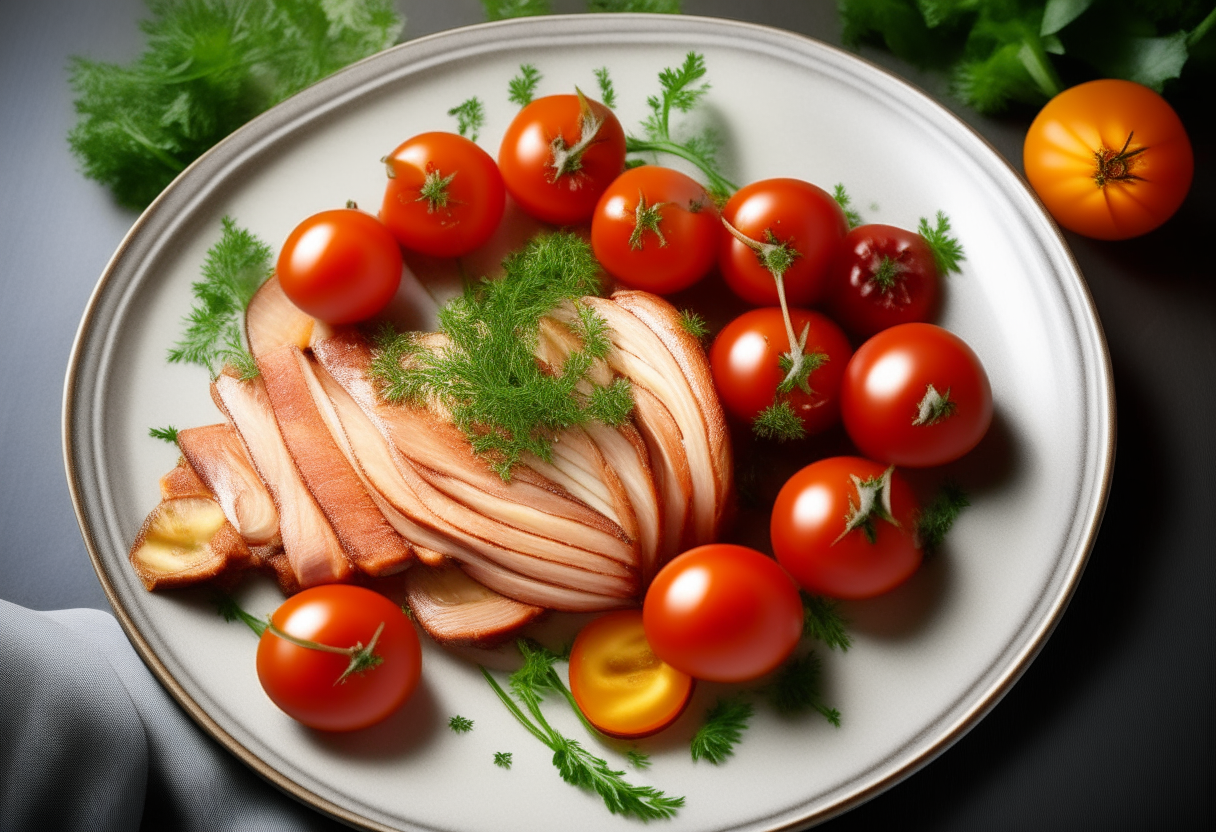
(622,687)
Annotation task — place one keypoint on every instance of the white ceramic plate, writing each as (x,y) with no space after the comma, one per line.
(928,661)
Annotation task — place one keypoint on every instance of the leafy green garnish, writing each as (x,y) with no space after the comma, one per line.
(778,421)
(937,518)
(502,759)
(209,66)
(947,251)
(574,763)
(722,731)
(165,434)
(822,621)
(486,374)
(681,91)
(1003,51)
(638,759)
(522,88)
(460,724)
(796,688)
(470,117)
(232,272)
(607,91)
(846,204)
(505,9)
(648,6)
(694,324)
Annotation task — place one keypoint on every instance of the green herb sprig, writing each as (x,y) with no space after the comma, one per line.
(460,724)
(470,117)
(574,763)
(723,729)
(522,88)
(486,375)
(681,90)
(166,434)
(234,269)
(937,518)
(209,66)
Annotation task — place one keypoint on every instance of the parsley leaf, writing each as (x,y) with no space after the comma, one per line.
(522,88)
(460,724)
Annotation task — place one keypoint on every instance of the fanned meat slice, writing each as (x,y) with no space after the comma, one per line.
(309,542)
(273,321)
(455,609)
(182,481)
(669,462)
(367,538)
(645,358)
(481,544)
(561,527)
(215,452)
(184,541)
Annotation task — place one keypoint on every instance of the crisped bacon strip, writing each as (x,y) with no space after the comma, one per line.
(312,548)
(215,452)
(367,538)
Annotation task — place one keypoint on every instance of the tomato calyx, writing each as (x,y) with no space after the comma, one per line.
(1116,165)
(567,159)
(362,659)
(886,275)
(646,218)
(934,407)
(434,190)
(873,503)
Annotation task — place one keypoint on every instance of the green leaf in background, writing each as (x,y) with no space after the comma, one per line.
(999,52)
(651,6)
(209,66)
(505,9)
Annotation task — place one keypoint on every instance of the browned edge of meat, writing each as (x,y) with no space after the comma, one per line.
(184,541)
(216,454)
(454,609)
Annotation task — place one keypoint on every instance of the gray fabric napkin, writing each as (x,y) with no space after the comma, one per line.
(89,740)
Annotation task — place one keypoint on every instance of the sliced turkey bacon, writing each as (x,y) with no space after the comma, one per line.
(455,530)
(442,456)
(182,481)
(455,609)
(669,462)
(309,542)
(367,538)
(273,321)
(215,452)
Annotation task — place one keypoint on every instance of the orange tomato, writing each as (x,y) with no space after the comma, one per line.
(620,685)
(1110,159)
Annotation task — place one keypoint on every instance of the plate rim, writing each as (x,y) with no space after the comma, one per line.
(333,92)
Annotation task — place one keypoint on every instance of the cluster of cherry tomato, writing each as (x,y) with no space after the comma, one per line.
(912,395)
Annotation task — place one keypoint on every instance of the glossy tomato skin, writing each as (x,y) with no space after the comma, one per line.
(301,680)
(620,685)
(745,361)
(526,159)
(795,213)
(886,385)
(808,531)
(340,266)
(1133,195)
(723,613)
(466,212)
(883,276)
(673,255)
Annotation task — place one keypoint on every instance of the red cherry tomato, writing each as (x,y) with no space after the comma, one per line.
(746,362)
(883,276)
(655,229)
(620,685)
(916,395)
(444,196)
(820,537)
(783,212)
(723,613)
(303,681)
(340,266)
(558,156)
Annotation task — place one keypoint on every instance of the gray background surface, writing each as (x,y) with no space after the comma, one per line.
(1111,727)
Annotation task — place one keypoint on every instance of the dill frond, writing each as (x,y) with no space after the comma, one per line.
(460,724)
(470,117)
(778,421)
(233,270)
(638,759)
(165,434)
(722,731)
(694,324)
(487,376)
(821,620)
(937,518)
(522,88)
(947,250)
(796,688)
(846,204)
(607,91)
(502,759)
